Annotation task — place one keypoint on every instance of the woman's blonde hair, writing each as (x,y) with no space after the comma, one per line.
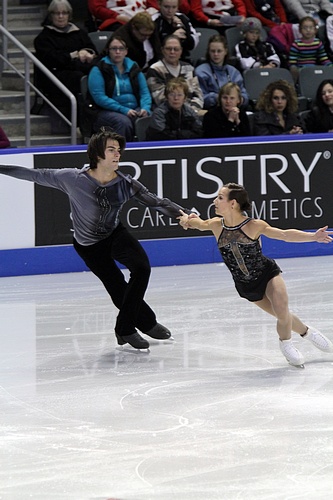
(176,83)
(142,20)
(226,90)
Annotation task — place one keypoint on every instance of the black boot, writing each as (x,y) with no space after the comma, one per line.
(135,340)
(159,332)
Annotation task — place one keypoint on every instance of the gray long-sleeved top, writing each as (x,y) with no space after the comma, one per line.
(95,208)
(302,8)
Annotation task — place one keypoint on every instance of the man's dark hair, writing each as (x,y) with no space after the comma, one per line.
(97,144)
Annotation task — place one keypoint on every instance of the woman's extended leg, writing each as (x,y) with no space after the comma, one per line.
(275,303)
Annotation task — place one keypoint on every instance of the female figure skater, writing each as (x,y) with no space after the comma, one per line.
(258,278)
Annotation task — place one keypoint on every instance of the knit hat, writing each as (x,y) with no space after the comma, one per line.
(251,23)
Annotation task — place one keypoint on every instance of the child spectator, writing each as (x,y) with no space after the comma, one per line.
(307,50)
(174,118)
(252,52)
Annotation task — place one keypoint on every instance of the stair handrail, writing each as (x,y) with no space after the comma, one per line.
(28,85)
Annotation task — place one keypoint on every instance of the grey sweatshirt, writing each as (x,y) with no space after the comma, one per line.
(95,208)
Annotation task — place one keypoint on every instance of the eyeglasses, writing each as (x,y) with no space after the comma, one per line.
(172,49)
(175,94)
(62,13)
(117,49)
(308,28)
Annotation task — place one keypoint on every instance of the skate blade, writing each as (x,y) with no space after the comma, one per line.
(297,366)
(170,340)
(132,350)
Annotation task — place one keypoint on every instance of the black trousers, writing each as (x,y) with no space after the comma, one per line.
(126,296)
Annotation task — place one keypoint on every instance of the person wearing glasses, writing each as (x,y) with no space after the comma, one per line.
(170,66)
(66,50)
(307,50)
(118,87)
(174,119)
(169,21)
(277,110)
(142,40)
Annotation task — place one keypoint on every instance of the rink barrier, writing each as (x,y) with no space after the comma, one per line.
(301,170)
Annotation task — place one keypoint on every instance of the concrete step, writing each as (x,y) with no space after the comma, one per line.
(41,140)
(14,125)
(32,14)
(13,102)
(10,80)
(25,34)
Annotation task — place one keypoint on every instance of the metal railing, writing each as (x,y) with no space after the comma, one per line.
(29,59)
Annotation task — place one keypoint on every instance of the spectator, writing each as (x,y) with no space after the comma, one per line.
(227,118)
(170,66)
(112,14)
(119,88)
(169,21)
(174,118)
(184,6)
(206,13)
(277,107)
(67,52)
(4,141)
(307,50)
(252,52)
(318,9)
(282,37)
(216,72)
(142,40)
(269,12)
(320,118)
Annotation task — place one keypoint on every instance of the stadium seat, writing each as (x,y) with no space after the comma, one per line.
(198,54)
(257,79)
(140,127)
(309,79)
(99,39)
